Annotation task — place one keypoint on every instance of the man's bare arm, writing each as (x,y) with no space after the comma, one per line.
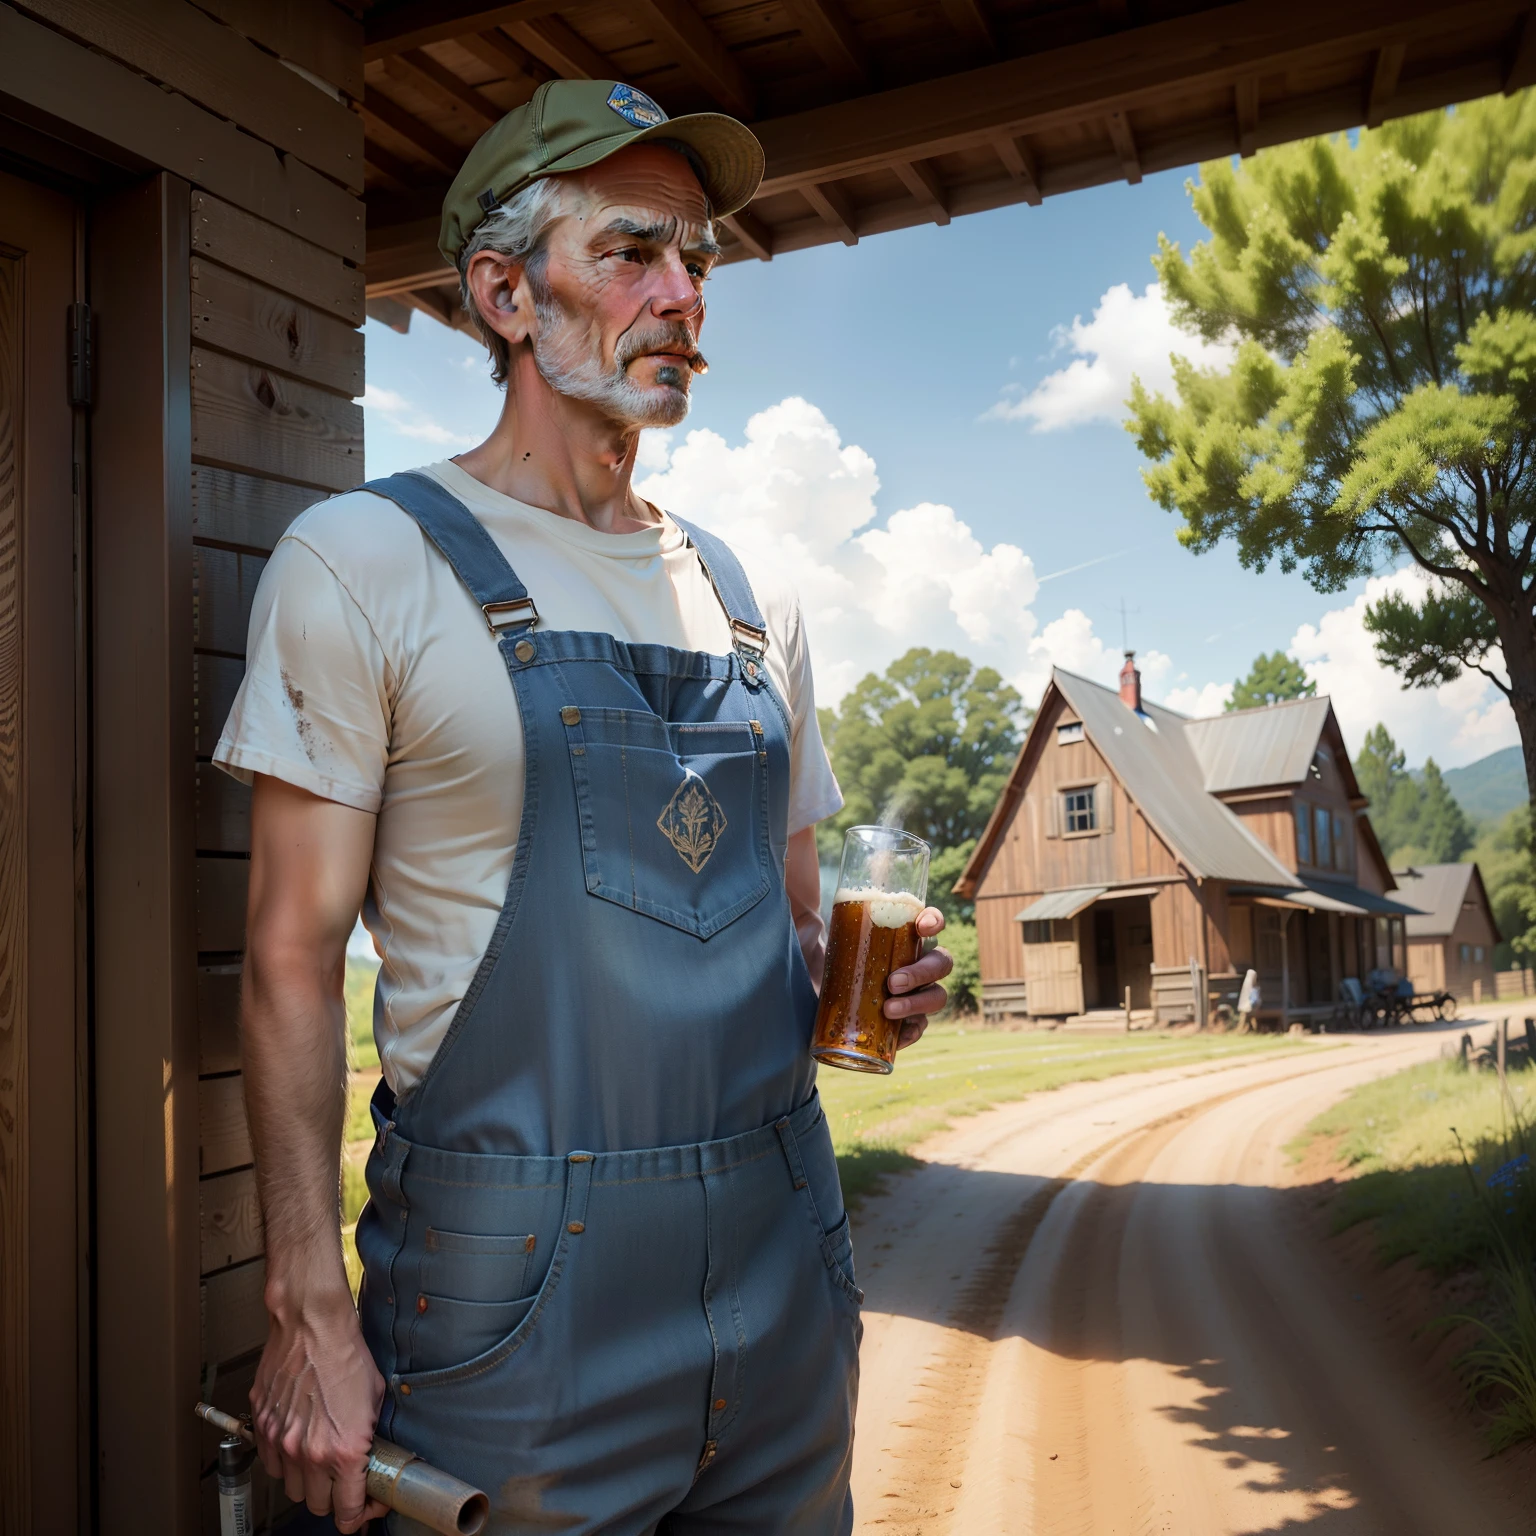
(317,1393)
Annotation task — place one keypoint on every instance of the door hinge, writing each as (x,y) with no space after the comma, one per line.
(81,358)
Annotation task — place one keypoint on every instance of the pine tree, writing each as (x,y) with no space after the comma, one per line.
(1272,677)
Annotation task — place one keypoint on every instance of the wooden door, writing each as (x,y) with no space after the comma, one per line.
(42,1250)
(1053,975)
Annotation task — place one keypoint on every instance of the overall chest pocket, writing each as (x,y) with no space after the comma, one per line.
(674,817)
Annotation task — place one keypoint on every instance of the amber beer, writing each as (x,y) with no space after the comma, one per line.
(881,890)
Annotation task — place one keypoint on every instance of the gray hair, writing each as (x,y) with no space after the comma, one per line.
(518,230)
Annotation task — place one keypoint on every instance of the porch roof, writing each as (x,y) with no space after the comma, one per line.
(1061,904)
(1329,896)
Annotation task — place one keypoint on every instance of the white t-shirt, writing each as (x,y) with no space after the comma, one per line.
(371,679)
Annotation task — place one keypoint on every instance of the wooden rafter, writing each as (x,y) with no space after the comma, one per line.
(752,233)
(1124,140)
(442,152)
(1522,64)
(438,303)
(555,43)
(973,24)
(395,171)
(922,181)
(1019,161)
(1246,100)
(420,22)
(514,64)
(1384,76)
(825,27)
(831,202)
(685,35)
(422,71)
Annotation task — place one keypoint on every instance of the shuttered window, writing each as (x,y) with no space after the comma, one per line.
(1080,812)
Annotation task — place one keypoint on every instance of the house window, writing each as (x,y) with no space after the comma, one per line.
(1303,833)
(1340,843)
(1038,932)
(1477,953)
(1069,733)
(1322,837)
(1079,808)
(1466,953)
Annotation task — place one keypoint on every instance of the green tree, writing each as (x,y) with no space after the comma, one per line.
(1501,854)
(1417,821)
(926,745)
(1271,678)
(1381,403)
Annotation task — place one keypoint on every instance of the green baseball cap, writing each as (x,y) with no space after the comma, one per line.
(571,124)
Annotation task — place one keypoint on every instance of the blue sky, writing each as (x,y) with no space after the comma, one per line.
(950,357)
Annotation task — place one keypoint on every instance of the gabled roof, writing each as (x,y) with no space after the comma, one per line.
(1254,748)
(1439,891)
(1152,757)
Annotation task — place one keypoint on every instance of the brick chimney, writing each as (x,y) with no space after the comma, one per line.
(1130,683)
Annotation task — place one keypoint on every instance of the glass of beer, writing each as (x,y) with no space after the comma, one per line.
(882,886)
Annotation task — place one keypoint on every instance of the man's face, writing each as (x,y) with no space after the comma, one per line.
(620,301)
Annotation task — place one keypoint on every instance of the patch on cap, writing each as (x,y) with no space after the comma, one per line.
(635,107)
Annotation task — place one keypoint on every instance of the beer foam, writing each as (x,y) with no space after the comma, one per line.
(887,909)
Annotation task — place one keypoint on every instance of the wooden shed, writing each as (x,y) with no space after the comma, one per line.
(193,195)
(1450,946)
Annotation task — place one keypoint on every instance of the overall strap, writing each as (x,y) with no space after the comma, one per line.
(463,542)
(733,589)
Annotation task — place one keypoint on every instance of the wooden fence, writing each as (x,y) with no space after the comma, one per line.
(1517,983)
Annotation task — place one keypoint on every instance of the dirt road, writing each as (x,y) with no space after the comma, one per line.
(1102,1311)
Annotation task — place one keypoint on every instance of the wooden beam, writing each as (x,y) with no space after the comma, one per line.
(419,22)
(1019,161)
(1121,137)
(441,151)
(752,233)
(391,312)
(514,64)
(682,33)
(1522,63)
(557,44)
(422,71)
(1062,87)
(323,39)
(211,64)
(831,202)
(400,175)
(445,310)
(825,27)
(1384,76)
(1246,98)
(973,24)
(922,181)
(133,123)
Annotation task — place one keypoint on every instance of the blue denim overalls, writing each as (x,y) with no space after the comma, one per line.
(607,1270)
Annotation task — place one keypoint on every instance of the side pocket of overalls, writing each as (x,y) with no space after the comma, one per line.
(824,1191)
(474,1290)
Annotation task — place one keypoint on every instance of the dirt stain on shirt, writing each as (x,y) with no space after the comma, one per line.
(301,722)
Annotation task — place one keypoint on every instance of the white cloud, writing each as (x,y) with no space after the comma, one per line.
(402,416)
(1456,723)
(1127,336)
(1198,702)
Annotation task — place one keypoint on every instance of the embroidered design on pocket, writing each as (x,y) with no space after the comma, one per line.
(692,822)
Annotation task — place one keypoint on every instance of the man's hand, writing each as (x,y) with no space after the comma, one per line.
(915,990)
(314,1407)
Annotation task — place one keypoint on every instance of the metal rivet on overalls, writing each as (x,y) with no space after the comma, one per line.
(421,1303)
(577,1226)
(719,1405)
(528,1246)
(523,650)
(405,1389)
(570,714)
(751,669)
(757,727)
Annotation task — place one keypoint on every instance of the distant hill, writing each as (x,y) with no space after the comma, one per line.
(1492,786)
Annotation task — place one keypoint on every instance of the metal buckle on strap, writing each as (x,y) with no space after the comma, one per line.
(500,616)
(749,637)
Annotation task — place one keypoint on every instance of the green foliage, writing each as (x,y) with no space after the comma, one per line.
(944,868)
(357,989)
(1417,821)
(927,746)
(1502,855)
(964,982)
(1272,677)
(1382,397)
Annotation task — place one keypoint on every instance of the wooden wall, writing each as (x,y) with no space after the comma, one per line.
(243,114)
(276,360)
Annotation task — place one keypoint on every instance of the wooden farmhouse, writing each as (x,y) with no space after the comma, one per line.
(199,202)
(1451,940)
(1141,859)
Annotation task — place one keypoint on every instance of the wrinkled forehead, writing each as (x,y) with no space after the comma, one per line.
(644,185)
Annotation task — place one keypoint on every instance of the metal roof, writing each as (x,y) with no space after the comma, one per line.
(1152,756)
(1249,748)
(1061,904)
(1438,890)
(1332,896)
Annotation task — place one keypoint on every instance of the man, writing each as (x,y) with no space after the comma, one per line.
(563,753)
